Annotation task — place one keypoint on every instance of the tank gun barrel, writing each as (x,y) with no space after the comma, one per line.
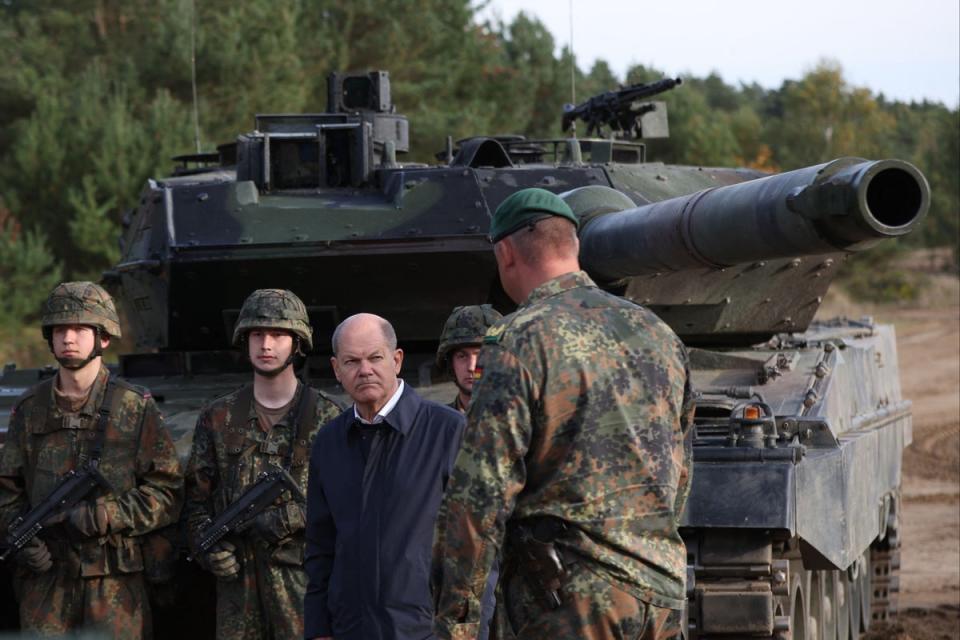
(848,204)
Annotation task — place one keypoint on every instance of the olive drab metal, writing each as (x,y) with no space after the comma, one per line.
(466,326)
(800,425)
(81,303)
(274,309)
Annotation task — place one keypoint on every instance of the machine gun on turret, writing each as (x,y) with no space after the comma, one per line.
(621,110)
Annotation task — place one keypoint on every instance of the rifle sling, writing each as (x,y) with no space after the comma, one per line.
(300,418)
(299,446)
(103,416)
(237,422)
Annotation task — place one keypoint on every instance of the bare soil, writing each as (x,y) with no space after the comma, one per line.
(928,344)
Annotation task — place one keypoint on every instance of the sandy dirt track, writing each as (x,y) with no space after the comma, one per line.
(928,345)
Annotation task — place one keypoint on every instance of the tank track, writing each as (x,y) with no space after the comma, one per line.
(747,585)
(884,600)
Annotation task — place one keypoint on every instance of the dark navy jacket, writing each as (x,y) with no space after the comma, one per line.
(370,526)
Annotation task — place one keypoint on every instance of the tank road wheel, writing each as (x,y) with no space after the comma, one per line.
(799,629)
(814,601)
(866,591)
(854,584)
(842,606)
(829,606)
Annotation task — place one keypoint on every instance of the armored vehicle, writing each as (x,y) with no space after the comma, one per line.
(793,518)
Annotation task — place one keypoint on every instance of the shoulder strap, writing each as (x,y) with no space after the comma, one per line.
(103,416)
(40,411)
(237,424)
(26,395)
(304,418)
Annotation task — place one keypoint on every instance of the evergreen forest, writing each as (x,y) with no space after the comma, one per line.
(98,95)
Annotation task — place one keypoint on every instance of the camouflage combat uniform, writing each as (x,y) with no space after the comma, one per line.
(580,416)
(266,601)
(465,327)
(230,450)
(95,583)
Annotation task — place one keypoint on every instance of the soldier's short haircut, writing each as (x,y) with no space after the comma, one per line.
(548,238)
(389,334)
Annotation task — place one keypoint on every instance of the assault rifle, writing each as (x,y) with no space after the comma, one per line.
(616,109)
(244,509)
(72,488)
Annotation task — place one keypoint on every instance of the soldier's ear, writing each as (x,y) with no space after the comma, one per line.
(503,252)
(104,340)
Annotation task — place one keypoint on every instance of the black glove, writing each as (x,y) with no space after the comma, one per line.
(36,556)
(278,522)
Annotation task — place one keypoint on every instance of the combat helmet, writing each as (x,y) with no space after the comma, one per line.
(83,303)
(274,309)
(465,327)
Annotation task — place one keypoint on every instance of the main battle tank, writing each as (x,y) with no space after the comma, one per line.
(793,518)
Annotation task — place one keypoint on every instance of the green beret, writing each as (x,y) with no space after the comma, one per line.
(526,207)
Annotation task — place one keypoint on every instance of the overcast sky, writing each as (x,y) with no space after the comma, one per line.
(906,50)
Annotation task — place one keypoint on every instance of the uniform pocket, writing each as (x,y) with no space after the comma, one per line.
(112,555)
(289,553)
(54,455)
(129,556)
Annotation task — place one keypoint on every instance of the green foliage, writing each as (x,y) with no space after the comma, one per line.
(929,136)
(871,276)
(91,227)
(82,157)
(28,272)
(96,96)
(823,118)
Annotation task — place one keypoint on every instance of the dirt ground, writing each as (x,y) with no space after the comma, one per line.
(928,344)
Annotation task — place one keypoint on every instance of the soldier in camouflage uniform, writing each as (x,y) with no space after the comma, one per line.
(576,455)
(457,355)
(460,346)
(271,423)
(85,569)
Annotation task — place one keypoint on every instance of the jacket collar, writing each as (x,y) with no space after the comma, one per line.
(565,282)
(404,414)
(95,397)
(401,418)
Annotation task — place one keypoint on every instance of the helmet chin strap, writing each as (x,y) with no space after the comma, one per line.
(75,364)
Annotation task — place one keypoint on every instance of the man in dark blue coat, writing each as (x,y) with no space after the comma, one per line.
(377,475)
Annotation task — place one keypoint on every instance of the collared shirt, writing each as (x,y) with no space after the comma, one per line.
(370,522)
(385,411)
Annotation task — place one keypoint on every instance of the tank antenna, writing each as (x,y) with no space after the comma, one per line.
(573,72)
(193,72)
